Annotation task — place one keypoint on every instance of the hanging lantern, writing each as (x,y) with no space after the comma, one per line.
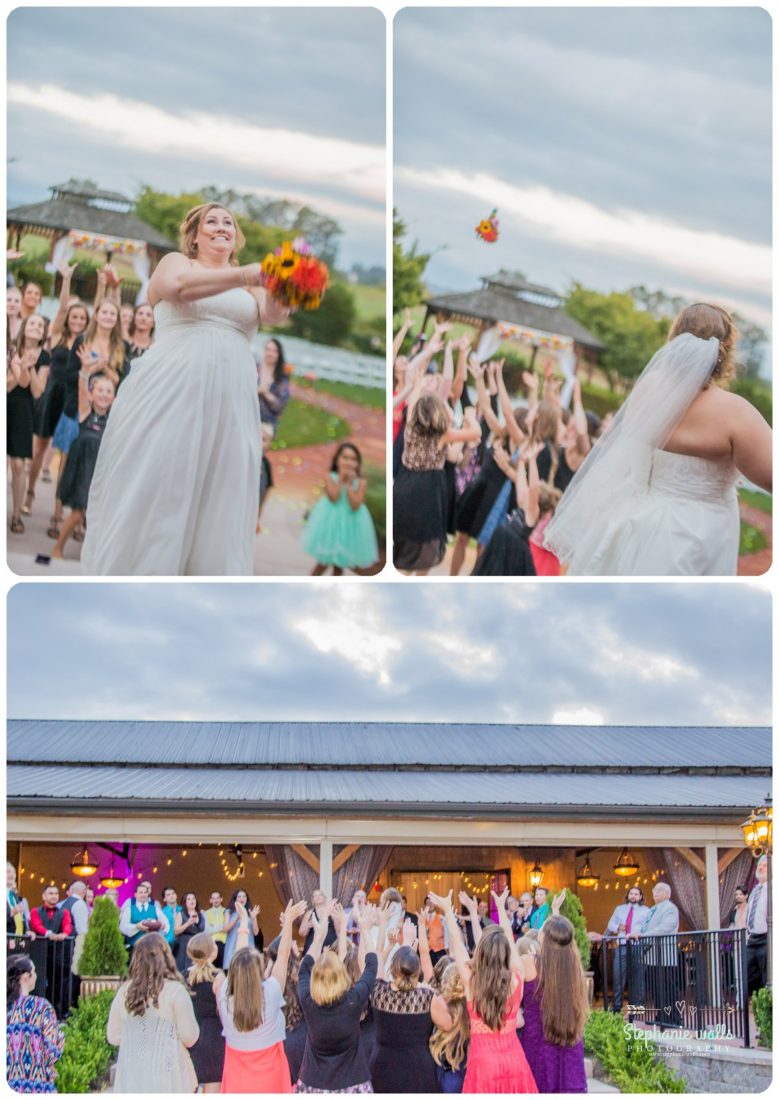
(111,881)
(758,829)
(626,865)
(587,876)
(536,875)
(82,865)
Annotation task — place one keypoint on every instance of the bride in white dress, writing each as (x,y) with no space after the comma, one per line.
(176,486)
(657,494)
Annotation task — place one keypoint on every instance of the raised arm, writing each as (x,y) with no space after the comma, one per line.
(505,922)
(483,398)
(401,335)
(456,945)
(473,915)
(177,279)
(55,328)
(515,432)
(470,432)
(341,922)
(424,947)
(463,346)
(580,420)
(291,914)
(318,940)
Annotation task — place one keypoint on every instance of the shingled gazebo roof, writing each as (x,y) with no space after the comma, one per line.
(78,205)
(509,297)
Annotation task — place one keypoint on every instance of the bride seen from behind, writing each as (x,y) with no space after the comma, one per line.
(657,494)
(176,487)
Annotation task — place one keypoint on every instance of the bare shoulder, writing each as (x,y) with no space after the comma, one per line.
(172,261)
(724,405)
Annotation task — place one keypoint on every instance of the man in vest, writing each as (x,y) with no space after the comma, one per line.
(54,925)
(757,929)
(215,922)
(75,904)
(139,915)
(436,931)
(626,919)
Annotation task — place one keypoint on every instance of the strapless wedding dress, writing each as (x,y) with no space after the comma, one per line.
(176,487)
(684,523)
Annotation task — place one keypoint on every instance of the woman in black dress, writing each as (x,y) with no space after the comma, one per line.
(96,396)
(140,331)
(188,923)
(508,552)
(208,1053)
(402,1061)
(27,369)
(61,393)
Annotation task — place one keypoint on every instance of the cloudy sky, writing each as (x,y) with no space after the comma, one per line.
(632,653)
(621,145)
(283,102)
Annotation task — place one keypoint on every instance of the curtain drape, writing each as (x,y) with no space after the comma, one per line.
(741,872)
(62,250)
(687,887)
(293,878)
(360,871)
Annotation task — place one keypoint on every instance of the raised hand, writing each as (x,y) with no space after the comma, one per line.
(558,901)
(408,933)
(336,911)
(255,911)
(293,911)
(470,903)
(65,270)
(476,368)
(444,903)
(500,900)
(530,378)
(240,909)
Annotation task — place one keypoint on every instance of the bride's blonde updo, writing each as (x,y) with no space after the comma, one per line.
(189,228)
(705,321)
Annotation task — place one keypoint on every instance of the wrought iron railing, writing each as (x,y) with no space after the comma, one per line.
(692,982)
(53,961)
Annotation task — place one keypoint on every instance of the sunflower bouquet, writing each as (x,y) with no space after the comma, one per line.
(294,276)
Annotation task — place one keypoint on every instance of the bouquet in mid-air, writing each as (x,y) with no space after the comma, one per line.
(294,276)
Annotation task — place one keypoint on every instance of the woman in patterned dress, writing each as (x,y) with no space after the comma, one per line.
(34,1039)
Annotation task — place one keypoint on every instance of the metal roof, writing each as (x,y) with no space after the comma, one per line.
(459,793)
(314,745)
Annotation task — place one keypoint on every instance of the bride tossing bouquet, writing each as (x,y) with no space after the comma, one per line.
(294,276)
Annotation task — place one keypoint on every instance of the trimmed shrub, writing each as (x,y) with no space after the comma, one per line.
(572,909)
(632,1064)
(763,1008)
(87,1054)
(104,951)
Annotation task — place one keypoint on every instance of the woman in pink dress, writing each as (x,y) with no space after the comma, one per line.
(493,992)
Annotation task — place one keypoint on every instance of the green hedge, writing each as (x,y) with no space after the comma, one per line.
(599,400)
(632,1064)
(87,1053)
(763,1008)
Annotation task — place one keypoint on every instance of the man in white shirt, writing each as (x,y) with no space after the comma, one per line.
(757,929)
(139,915)
(662,972)
(626,919)
(76,905)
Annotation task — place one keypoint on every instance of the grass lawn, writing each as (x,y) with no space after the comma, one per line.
(303,425)
(752,539)
(761,501)
(371,397)
(370,301)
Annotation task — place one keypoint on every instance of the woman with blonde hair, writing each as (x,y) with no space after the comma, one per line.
(449,1045)
(153,1023)
(176,489)
(333,1006)
(556,1010)
(208,1053)
(251,1008)
(493,984)
(656,496)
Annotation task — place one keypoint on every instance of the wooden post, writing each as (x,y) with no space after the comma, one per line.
(712,887)
(326,867)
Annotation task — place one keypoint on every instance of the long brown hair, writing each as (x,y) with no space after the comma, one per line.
(429,416)
(562,986)
(491,981)
(116,347)
(452,1045)
(151,966)
(545,430)
(704,320)
(65,333)
(244,989)
(19,342)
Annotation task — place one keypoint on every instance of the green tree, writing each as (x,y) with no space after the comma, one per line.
(104,951)
(572,909)
(408,267)
(332,323)
(631,335)
(165,212)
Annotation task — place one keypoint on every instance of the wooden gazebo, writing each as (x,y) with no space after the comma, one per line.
(508,307)
(78,214)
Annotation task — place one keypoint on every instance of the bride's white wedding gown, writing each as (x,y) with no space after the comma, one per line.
(685,522)
(176,486)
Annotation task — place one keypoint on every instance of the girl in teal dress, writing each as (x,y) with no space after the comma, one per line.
(339,530)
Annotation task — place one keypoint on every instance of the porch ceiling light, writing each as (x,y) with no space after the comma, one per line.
(758,829)
(536,875)
(112,881)
(626,865)
(587,877)
(82,865)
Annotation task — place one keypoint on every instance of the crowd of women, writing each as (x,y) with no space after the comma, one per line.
(372,1000)
(538,482)
(62,377)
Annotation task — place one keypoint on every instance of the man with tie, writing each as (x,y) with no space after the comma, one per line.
(140,915)
(757,929)
(625,920)
(662,971)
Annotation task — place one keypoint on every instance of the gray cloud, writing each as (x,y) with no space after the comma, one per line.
(676,654)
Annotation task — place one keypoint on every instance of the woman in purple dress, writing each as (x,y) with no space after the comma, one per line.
(556,1008)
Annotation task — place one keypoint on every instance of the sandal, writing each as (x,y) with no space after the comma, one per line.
(46,476)
(53,530)
(26,508)
(17,527)
(78,534)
